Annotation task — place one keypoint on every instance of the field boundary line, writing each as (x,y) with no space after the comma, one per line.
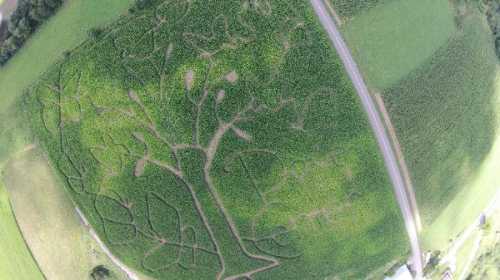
(374,119)
(24,239)
(401,159)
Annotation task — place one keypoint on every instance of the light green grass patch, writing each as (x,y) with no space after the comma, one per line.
(16,261)
(394,38)
(64,31)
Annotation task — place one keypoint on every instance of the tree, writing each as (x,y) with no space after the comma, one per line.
(40,11)
(28,15)
(142,4)
(23,30)
(54,4)
(100,272)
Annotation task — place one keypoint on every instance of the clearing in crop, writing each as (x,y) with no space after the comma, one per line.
(219,140)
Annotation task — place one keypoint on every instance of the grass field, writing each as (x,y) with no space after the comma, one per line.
(15,259)
(60,244)
(65,31)
(446,116)
(219,139)
(396,37)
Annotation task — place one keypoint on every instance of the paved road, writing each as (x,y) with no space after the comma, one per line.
(379,130)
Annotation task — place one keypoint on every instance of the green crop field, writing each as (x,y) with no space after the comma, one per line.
(394,38)
(59,242)
(446,116)
(219,139)
(16,261)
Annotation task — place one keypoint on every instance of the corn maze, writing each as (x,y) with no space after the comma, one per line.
(218,140)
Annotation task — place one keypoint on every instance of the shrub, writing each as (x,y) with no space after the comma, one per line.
(100,272)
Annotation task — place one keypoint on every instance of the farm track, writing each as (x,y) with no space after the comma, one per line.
(401,159)
(400,189)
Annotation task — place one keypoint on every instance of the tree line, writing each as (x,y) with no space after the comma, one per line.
(27,17)
(492,10)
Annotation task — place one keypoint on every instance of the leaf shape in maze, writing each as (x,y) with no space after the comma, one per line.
(162,256)
(189,236)
(275,239)
(174,11)
(111,157)
(50,116)
(76,184)
(165,219)
(118,233)
(135,39)
(213,41)
(111,209)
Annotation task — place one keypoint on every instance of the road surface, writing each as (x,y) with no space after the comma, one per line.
(375,121)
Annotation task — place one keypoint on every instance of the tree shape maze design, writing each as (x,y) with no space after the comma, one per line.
(155,129)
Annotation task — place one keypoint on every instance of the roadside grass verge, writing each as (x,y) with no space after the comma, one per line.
(220,138)
(445,114)
(394,38)
(46,216)
(16,261)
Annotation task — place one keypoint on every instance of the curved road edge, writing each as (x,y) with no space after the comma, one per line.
(380,133)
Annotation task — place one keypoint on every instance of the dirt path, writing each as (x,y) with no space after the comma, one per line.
(401,159)
(332,11)
(400,188)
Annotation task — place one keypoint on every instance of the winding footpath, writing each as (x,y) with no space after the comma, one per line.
(391,163)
